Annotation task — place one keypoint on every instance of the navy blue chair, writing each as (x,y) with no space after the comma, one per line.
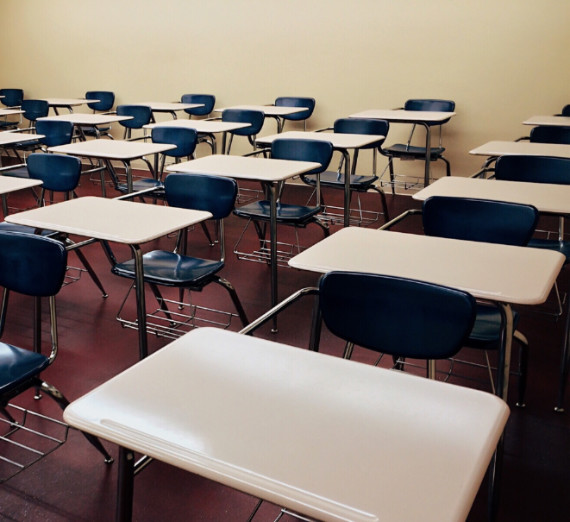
(254,118)
(550,134)
(34,109)
(565,110)
(104,103)
(141,116)
(207,100)
(291,214)
(10,98)
(296,101)
(184,138)
(59,173)
(490,222)
(396,316)
(176,268)
(407,151)
(34,266)
(358,183)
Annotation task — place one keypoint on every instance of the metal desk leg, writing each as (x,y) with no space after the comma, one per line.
(4,205)
(141,302)
(564,364)
(125,486)
(347,173)
(273,242)
(504,365)
(428,154)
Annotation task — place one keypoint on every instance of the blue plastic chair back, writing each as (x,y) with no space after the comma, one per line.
(533,169)
(429,105)
(214,194)
(34,109)
(254,118)
(141,115)
(550,134)
(208,100)
(56,132)
(59,172)
(362,126)
(479,220)
(303,150)
(565,110)
(185,140)
(396,316)
(31,264)
(295,101)
(105,103)
(12,97)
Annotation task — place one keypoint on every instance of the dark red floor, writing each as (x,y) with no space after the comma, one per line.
(74,484)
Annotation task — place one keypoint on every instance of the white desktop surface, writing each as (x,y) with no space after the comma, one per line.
(170,106)
(8,138)
(88,118)
(240,167)
(9,184)
(557,121)
(405,116)
(330,438)
(115,220)
(112,149)
(209,126)
(67,102)
(545,197)
(338,140)
(268,110)
(509,274)
(524,148)
(10,112)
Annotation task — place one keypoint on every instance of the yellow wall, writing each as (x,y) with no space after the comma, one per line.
(500,60)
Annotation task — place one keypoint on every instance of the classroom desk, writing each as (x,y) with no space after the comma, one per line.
(66,103)
(547,198)
(424,118)
(208,128)
(271,111)
(107,150)
(504,274)
(10,112)
(90,120)
(270,172)
(332,439)
(556,121)
(8,184)
(118,221)
(342,143)
(11,138)
(170,107)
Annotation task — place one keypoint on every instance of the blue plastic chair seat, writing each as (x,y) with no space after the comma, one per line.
(336,180)
(286,213)
(401,149)
(17,366)
(552,244)
(486,332)
(18,172)
(142,184)
(171,269)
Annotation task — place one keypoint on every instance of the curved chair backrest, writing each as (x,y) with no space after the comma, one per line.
(303,150)
(533,169)
(31,264)
(550,134)
(295,101)
(479,220)
(34,109)
(208,100)
(12,97)
(105,103)
(429,105)
(396,316)
(565,110)
(214,194)
(254,118)
(141,115)
(362,126)
(185,140)
(59,172)
(56,132)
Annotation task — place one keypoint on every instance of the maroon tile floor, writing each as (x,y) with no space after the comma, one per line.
(73,483)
